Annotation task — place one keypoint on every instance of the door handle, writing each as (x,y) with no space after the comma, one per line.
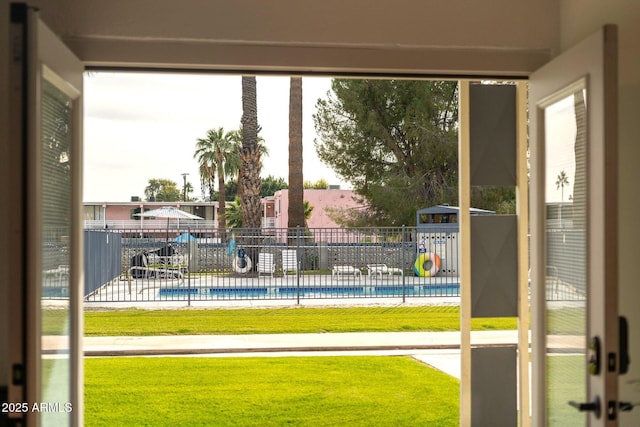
(594,406)
(626,406)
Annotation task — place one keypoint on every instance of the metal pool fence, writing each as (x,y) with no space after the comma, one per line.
(159,265)
(288,264)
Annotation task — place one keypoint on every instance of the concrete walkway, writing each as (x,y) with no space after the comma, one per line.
(438,349)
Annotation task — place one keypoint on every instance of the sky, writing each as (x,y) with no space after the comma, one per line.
(143,126)
(560,135)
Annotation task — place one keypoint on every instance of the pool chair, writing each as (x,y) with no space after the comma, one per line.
(340,270)
(289,261)
(141,269)
(380,269)
(266,264)
(172,262)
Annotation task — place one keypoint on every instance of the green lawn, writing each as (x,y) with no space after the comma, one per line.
(567,321)
(567,381)
(295,391)
(282,320)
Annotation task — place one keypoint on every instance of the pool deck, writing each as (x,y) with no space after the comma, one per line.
(211,288)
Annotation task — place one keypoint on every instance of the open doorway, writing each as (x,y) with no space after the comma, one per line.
(164,160)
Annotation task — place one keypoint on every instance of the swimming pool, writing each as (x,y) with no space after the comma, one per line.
(324,291)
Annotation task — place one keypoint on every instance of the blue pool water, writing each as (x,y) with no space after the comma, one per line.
(448,289)
(55,292)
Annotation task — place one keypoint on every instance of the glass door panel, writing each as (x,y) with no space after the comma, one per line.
(57,122)
(566,256)
(573,128)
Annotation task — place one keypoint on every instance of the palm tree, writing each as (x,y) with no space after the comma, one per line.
(296,181)
(187,189)
(561,181)
(308,210)
(215,156)
(236,137)
(234,159)
(250,156)
(234,214)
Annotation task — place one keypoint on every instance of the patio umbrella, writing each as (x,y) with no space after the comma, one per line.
(185,237)
(168,212)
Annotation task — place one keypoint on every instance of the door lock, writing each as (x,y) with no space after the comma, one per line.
(594,356)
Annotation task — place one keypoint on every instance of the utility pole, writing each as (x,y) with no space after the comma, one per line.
(184,186)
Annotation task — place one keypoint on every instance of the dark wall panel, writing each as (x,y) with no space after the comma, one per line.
(494,386)
(493,134)
(494,266)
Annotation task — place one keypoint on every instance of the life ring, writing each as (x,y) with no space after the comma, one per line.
(242,265)
(424,258)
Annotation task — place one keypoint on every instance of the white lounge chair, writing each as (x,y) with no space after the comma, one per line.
(339,270)
(381,269)
(266,264)
(289,261)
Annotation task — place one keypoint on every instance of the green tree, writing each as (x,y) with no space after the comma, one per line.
(308,210)
(216,154)
(395,141)
(295,209)
(320,184)
(233,214)
(502,200)
(271,184)
(235,161)
(162,190)
(250,156)
(231,190)
(186,191)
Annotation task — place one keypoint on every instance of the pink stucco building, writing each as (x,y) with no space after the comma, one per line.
(121,215)
(320,200)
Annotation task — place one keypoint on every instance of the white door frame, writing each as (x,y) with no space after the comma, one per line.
(39,55)
(594,62)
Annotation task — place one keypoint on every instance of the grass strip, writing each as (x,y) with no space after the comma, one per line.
(294,391)
(282,320)
(565,381)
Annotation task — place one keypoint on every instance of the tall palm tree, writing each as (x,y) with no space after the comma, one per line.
(215,156)
(561,181)
(296,180)
(235,161)
(250,155)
